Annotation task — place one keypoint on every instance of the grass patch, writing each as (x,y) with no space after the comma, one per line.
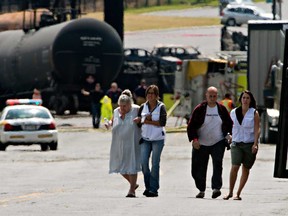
(158,22)
(164,8)
(177,5)
(138,22)
(134,20)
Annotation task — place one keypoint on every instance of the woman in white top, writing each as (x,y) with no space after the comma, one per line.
(125,148)
(153,116)
(245,139)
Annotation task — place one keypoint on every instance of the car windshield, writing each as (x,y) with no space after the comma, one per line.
(241,1)
(27,113)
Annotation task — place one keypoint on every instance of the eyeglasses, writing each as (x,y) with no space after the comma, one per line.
(150,93)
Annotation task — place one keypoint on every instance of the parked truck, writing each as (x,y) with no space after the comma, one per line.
(265,62)
(227,72)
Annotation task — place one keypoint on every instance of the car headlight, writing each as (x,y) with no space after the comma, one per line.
(273,116)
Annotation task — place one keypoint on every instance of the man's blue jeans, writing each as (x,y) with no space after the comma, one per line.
(151,178)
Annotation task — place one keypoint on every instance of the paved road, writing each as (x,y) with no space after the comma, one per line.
(74,180)
(214,11)
(207,39)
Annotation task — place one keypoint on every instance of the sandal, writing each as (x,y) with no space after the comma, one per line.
(237,198)
(227,197)
(137,185)
(131,195)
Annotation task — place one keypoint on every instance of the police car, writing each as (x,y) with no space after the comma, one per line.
(26,122)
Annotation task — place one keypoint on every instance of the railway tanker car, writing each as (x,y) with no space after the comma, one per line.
(56,59)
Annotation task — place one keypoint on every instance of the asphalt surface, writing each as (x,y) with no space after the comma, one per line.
(214,11)
(262,195)
(206,39)
(74,180)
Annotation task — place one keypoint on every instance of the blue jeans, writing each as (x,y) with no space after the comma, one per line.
(200,160)
(96,114)
(151,178)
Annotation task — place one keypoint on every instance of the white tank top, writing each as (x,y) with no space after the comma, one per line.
(152,132)
(245,131)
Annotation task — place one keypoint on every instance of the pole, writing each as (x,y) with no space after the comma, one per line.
(274,9)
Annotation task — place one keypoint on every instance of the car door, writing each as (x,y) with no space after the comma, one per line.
(237,14)
(240,15)
(249,15)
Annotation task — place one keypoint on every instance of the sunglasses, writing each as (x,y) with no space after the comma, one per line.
(150,93)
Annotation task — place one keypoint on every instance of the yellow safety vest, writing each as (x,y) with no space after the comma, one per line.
(106,108)
(228,104)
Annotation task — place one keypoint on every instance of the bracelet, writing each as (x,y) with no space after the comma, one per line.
(195,140)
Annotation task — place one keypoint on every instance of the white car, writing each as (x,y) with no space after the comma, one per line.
(246,2)
(27,125)
(234,15)
(224,3)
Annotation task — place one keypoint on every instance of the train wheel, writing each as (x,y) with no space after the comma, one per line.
(59,104)
(74,105)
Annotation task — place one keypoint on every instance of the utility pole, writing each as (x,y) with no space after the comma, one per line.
(274,9)
(281,156)
(114,15)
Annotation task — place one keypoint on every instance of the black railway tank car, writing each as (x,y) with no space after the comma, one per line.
(56,59)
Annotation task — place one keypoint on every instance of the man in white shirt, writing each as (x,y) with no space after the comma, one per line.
(209,124)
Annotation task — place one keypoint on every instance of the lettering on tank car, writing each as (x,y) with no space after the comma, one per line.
(92,59)
(95,63)
(91,41)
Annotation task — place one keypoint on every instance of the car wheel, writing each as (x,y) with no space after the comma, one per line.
(2,147)
(231,22)
(44,147)
(53,146)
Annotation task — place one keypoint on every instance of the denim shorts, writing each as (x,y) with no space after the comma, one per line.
(241,153)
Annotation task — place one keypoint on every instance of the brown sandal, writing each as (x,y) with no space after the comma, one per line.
(227,197)
(237,198)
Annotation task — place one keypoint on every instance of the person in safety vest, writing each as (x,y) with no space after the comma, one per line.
(106,108)
(228,102)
